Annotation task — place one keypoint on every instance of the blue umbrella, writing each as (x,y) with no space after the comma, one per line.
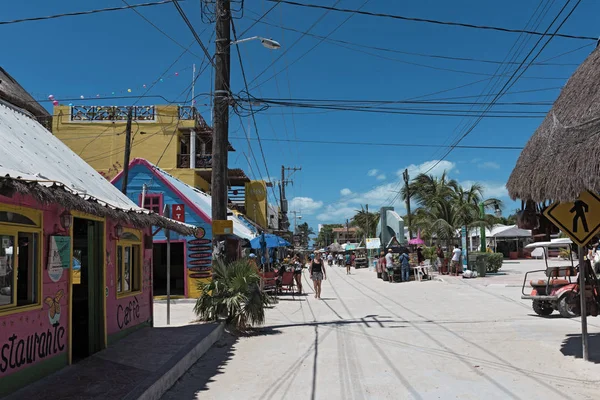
(269,241)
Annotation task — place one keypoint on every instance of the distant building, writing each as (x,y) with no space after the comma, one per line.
(343,235)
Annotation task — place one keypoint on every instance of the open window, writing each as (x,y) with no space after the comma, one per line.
(20,257)
(129,263)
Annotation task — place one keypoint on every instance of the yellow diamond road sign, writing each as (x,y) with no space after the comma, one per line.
(580,219)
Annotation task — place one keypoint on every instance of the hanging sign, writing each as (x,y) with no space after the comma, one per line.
(178,212)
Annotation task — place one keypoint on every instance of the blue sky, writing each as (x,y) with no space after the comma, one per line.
(112,52)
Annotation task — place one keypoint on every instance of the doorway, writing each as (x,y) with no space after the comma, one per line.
(87,317)
(159,269)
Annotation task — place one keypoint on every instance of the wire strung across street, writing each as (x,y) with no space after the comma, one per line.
(386,144)
(511,82)
(250,104)
(433,21)
(76,13)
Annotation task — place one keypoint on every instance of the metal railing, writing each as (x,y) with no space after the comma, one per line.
(191,113)
(112,113)
(202,161)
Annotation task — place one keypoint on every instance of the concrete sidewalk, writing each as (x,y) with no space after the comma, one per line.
(143,365)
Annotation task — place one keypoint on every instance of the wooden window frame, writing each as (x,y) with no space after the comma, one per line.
(153,196)
(13,229)
(137,258)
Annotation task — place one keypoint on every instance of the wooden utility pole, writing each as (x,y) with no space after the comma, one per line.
(221,111)
(127,151)
(284,207)
(408,216)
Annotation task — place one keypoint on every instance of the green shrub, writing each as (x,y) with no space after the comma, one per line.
(233,293)
(492,261)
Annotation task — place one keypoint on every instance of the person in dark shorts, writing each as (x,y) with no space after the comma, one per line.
(317,274)
(298,273)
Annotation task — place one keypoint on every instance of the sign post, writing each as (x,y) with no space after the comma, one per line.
(580,220)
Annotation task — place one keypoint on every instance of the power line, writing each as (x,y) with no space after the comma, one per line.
(189,24)
(72,14)
(433,21)
(259,19)
(426,55)
(383,144)
(313,47)
(510,82)
(292,45)
(262,153)
(165,34)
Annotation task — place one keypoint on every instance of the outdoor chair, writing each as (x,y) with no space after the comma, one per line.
(268,281)
(287,282)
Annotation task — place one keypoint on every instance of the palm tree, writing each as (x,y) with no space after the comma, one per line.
(233,293)
(445,206)
(305,231)
(365,221)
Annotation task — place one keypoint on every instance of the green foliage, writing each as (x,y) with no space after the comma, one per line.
(325,237)
(234,294)
(366,222)
(445,206)
(492,261)
(304,231)
(430,253)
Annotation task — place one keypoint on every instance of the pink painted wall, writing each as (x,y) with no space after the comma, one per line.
(125,313)
(29,337)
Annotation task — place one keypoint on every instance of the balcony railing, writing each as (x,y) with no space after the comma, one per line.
(112,113)
(191,113)
(202,161)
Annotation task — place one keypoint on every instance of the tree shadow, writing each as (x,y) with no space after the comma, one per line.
(571,346)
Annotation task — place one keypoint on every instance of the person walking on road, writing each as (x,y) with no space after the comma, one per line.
(389,265)
(348,263)
(440,258)
(456,254)
(298,273)
(317,274)
(405,265)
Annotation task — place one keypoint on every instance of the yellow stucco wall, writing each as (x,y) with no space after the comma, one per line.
(102,144)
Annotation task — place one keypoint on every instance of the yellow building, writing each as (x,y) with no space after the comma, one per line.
(176,138)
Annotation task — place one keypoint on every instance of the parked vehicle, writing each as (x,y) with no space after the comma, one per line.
(560,290)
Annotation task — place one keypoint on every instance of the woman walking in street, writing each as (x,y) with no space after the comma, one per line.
(298,273)
(317,274)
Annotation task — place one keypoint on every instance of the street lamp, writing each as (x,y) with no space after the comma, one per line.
(268,43)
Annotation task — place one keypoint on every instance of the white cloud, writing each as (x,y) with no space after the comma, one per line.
(433,167)
(333,213)
(305,204)
(381,177)
(489,165)
(490,189)
(372,172)
(345,192)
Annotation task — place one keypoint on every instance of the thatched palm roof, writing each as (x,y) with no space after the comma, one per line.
(13,92)
(561,159)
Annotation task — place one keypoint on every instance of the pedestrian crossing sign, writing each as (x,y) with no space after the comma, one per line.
(579,219)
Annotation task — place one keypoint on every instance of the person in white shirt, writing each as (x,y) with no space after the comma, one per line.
(389,265)
(456,255)
(330,259)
